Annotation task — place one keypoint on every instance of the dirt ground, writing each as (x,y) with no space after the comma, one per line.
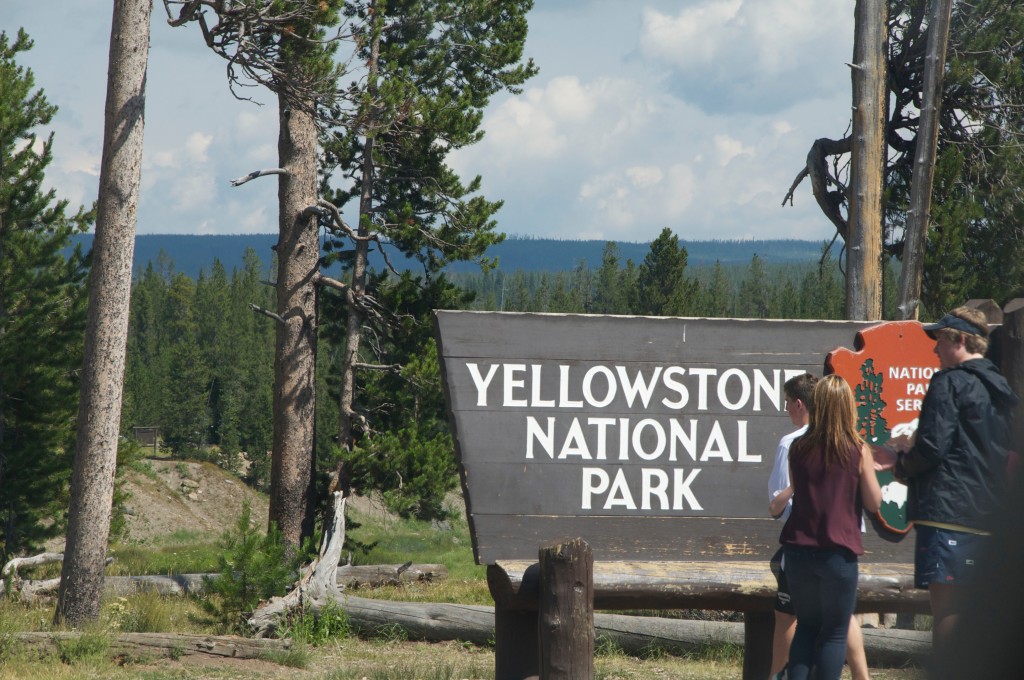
(182,495)
(172,495)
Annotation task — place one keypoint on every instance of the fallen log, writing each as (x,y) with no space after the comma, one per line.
(349,577)
(436,622)
(376,575)
(164,644)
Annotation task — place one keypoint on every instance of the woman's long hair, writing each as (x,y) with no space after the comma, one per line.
(833,423)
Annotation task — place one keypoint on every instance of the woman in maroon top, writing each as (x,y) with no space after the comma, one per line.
(833,477)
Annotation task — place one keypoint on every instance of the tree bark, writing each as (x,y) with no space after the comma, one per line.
(864,242)
(292,483)
(566,611)
(920,211)
(99,411)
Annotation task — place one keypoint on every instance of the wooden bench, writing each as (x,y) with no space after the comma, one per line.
(643,447)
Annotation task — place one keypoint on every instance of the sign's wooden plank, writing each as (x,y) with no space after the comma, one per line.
(609,488)
(569,337)
(517,537)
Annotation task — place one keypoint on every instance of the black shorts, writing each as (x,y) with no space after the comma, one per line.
(946,556)
(783,603)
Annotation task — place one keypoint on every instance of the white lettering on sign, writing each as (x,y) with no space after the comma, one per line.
(481,382)
(606,491)
(636,431)
(912,372)
(913,405)
(646,440)
(599,386)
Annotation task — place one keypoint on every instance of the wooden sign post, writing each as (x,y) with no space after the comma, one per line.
(650,441)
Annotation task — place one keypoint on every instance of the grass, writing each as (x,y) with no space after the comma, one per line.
(398,541)
(183,552)
(325,647)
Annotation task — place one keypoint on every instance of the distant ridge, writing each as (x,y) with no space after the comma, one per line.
(192,253)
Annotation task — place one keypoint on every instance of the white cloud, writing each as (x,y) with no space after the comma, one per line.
(165,159)
(193,192)
(694,37)
(524,127)
(645,176)
(747,55)
(196,146)
(637,195)
(729,148)
(569,100)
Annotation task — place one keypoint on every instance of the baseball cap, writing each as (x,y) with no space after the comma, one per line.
(955,323)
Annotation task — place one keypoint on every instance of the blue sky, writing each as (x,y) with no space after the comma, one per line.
(690,114)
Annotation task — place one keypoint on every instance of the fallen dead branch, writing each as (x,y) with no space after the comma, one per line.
(163,644)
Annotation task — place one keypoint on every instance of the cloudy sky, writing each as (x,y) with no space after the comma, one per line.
(690,114)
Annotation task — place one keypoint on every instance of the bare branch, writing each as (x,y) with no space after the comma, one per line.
(378,367)
(817,168)
(258,173)
(11,568)
(329,282)
(339,223)
(792,188)
(267,313)
(383,253)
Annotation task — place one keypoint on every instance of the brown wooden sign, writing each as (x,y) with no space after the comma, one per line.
(612,429)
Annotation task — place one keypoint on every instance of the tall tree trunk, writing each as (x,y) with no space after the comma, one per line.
(354,323)
(864,240)
(919,213)
(99,410)
(292,482)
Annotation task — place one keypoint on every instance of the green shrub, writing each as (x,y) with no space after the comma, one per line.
(252,567)
(326,625)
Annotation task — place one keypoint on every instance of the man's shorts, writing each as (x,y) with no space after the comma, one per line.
(783,603)
(946,556)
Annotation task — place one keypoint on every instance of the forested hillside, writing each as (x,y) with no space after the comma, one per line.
(193,253)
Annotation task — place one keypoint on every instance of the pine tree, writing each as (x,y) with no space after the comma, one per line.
(431,66)
(42,317)
(755,296)
(146,369)
(255,358)
(664,289)
(185,417)
(718,298)
(610,294)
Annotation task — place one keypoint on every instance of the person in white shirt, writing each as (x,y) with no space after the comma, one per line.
(798,393)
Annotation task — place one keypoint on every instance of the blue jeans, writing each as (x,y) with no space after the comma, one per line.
(823,586)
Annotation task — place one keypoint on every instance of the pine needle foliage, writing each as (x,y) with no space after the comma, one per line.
(42,316)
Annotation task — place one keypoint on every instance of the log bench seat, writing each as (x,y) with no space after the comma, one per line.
(746,586)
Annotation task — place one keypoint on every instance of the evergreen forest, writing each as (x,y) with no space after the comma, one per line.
(200,359)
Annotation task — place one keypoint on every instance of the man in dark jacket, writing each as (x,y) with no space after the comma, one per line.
(955,467)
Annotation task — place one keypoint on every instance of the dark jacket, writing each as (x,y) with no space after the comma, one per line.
(956,471)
